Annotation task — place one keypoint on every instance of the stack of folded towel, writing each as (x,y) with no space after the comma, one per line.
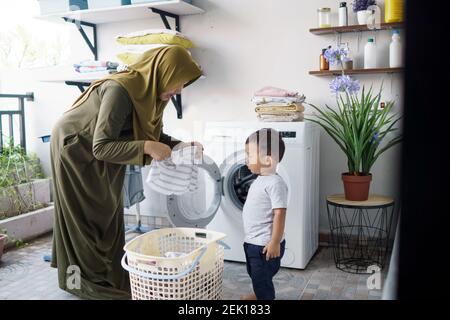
(136,43)
(275,104)
(88,66)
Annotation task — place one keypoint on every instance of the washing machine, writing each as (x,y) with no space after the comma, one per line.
(224,180)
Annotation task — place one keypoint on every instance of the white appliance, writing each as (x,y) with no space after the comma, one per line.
(225,180)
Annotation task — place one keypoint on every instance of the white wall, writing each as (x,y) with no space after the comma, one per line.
(242,45)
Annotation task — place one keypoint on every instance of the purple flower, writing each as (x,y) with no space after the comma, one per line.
(359,5)
(335,56)
(344,84)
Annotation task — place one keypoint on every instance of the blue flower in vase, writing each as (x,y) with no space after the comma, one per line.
(335,56)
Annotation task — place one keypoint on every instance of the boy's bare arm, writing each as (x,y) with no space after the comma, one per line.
(272,249)
(279,217)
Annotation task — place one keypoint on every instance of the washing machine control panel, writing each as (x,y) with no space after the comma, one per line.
(288,134)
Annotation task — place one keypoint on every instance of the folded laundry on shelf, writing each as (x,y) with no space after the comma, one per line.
(145,32)
(176,175)
(288,100)
(155,36)
(93,70)
(276,104)
(296,116)
(276,108)
(87,66)
(97,64)
(133,51)
(141,48)
(275,92)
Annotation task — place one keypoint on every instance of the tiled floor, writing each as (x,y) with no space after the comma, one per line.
(25,275)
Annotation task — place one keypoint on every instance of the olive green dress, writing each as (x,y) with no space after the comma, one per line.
(90,147)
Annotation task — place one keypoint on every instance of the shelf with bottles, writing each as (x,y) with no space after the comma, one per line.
(324,73)
(356,28)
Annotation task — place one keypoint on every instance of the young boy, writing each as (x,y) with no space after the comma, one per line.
(264,212)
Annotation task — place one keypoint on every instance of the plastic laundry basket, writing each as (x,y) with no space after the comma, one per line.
(175,264)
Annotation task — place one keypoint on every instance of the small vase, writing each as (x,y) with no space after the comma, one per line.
(347,65)
(363,15)
(356,187)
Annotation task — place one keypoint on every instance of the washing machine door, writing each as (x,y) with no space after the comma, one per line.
(196,209)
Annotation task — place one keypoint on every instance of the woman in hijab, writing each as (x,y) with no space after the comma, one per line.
(115,122)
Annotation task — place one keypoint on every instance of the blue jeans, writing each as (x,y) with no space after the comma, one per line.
(262,271)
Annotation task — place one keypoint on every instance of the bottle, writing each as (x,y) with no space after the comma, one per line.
(395,51)
(343,14)
(370,54)
(324,65)
(393,10)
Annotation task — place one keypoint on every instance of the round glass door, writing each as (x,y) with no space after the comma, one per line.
(238,183)
(196,209)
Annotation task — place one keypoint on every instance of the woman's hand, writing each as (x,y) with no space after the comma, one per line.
(157,150)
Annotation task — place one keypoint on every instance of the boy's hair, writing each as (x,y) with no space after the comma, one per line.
(269,142)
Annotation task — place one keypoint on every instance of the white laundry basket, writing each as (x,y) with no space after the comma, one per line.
(196,275)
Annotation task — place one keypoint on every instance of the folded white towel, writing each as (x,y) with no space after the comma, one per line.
(286,100)
(176,175)
(295,116)
(141,48)
(145,32)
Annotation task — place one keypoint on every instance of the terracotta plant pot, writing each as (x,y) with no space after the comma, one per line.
(3,238)
(356,187)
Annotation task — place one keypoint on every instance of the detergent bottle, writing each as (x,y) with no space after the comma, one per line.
(395,51)
(393,10)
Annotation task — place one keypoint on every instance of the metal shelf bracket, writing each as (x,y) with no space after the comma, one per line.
(91,44)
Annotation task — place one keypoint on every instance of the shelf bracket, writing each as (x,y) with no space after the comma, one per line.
(79,24)
(79,84)
(164,14)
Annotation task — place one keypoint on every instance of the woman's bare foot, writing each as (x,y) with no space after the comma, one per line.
(251,296)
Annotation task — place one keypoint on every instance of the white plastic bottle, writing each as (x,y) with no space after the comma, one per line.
(343,14)
(370,54)
(395,51)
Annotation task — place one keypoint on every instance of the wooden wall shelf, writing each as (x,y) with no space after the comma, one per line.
(355,28)
(355,71)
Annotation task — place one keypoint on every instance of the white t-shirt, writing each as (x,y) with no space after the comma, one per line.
(265,194)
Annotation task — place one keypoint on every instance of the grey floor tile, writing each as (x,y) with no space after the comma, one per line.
(24,275)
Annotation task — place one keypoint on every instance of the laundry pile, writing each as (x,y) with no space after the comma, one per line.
(177,174)
(136,43)
(275,104)
(88,66)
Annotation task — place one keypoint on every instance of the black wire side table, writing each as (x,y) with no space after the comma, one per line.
(359,231)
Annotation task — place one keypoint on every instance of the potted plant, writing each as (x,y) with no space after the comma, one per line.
(358,125)
(22,188)
(361,9)
(26,210)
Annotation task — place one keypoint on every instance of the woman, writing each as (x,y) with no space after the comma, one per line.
(117,121)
